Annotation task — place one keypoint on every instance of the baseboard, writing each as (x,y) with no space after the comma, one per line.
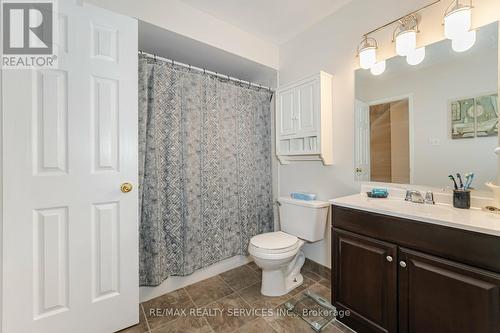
(177,282)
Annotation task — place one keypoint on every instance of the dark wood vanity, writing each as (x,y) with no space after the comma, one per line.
(400,275)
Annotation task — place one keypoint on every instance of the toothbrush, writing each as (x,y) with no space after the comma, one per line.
(460,180)
(454,182)
(469,183)
(467,180)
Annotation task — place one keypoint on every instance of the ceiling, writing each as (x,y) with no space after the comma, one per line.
(275,21)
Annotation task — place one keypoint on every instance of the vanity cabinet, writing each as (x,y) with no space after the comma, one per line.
(366,280)
(304,120)
(398,275)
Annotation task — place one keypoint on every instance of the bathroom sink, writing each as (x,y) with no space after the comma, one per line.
(473,219)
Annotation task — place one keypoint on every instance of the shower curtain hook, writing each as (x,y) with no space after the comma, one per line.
(154,56)
(204,71)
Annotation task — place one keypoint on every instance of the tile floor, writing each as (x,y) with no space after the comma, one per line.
(214,300)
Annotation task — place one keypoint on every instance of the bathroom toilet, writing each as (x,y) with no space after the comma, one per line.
(279,253)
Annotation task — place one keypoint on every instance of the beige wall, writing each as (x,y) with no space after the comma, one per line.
(176,16)
(330,45)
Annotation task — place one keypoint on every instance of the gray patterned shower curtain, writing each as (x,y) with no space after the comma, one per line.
(204,169)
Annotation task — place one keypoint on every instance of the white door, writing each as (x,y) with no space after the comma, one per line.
(362,162)
(308,107)
(286,115)
(70,236)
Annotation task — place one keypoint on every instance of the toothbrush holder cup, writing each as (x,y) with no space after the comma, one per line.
(461,199)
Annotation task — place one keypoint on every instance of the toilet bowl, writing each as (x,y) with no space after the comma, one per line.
(279,256)
(279,253)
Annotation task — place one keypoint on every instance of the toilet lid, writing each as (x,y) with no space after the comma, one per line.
(278,240)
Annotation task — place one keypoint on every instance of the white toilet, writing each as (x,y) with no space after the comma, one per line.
(278,253)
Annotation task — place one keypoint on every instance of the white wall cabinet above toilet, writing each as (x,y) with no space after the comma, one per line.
(304,120)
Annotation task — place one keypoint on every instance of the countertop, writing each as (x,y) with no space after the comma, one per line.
(473,219)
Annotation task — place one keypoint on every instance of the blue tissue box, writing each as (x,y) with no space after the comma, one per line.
(303,196)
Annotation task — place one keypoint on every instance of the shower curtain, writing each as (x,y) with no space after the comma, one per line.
(204,169)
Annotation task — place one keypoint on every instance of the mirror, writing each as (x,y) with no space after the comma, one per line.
(419,124)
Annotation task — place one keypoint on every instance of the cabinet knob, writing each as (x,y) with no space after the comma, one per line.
(388,258)
(402,264)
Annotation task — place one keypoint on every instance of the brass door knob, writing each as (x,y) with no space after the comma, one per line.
(126,187)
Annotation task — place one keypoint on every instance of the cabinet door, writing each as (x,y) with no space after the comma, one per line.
(437,295)
(307,107)
(286,115)
(365,281)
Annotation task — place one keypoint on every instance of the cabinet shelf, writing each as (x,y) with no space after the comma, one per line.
(304,120)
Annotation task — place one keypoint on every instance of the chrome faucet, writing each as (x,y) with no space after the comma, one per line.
(417,197)
(414,196)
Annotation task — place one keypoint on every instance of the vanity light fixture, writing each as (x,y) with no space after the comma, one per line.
(457,19)
(378,68)
(416,56)
(367,52)
(405,35)
(464,42)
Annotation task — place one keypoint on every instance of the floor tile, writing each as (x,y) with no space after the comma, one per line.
(208,290)
(253,266)
(325,282)
(253,297)
(308,274)
(258,325)
(225,319)
(240,277)
(189,324)
(305,285)
(321,290)
(164,309)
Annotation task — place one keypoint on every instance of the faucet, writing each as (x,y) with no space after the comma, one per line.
(417,197)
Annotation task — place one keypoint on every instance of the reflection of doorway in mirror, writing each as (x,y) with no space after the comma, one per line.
(389,142)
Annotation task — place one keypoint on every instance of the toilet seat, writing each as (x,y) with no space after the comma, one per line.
(274,242)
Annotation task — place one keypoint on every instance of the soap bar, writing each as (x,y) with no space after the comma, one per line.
(303,196)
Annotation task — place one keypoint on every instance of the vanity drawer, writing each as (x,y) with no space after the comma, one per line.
(476,249)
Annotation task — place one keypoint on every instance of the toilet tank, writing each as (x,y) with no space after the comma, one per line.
(304,219)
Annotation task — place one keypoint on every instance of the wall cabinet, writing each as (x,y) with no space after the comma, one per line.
(396,280)
(304,120)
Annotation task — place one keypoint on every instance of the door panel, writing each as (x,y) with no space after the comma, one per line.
(70,236)
(286,112)
(362,149)
(437,295)
(307,107)
(365,281)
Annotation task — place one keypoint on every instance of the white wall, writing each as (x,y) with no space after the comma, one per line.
(330,45)
(190,22)
(432,89)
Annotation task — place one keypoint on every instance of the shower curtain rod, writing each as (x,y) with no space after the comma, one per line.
(222,76)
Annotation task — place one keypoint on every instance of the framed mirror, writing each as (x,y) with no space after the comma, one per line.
(419,124)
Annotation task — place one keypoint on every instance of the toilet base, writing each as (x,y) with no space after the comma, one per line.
(284,279)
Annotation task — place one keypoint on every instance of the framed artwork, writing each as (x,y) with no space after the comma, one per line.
(474,117)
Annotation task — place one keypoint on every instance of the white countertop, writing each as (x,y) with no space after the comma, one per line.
(473,219)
